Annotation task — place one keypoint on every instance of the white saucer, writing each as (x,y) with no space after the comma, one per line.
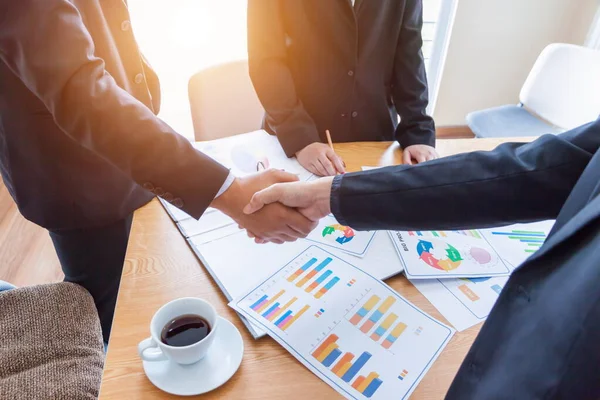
(221,362)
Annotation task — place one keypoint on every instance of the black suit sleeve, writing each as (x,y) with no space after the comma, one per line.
(513,183)
(45,43)
(272,79)
(409,87)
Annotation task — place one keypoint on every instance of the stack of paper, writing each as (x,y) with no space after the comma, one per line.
(463,272)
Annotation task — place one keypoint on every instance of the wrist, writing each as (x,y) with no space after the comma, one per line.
(228,201)
(323,194)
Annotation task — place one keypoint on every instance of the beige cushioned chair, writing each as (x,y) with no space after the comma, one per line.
(50,343)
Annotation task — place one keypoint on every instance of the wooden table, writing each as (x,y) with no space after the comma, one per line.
(160,267)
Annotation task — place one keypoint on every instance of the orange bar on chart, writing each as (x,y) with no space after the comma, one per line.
(376,316)
(330,339)
(363,385)
(358,382)
(282,309)
(344,369)
(327,351)
(471,295)
(271,301)
(298,315)
(394,335)
(364,310)
(314,272)
(346,358)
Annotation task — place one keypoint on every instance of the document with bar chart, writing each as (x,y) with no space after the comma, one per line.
(349,328)
(332,234)
(447,254)
(468,301)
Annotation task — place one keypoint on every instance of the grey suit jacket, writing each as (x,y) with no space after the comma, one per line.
(542,339)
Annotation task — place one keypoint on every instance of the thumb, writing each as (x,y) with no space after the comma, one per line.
(262,198)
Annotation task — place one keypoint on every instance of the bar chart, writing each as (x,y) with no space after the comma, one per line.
(531,239)
(471,232)
(278,313)
(314,278)
(328,352)
(346,326)
(384,330)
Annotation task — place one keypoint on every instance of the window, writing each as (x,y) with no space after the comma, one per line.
(593,39)
(438,17)
(180,37)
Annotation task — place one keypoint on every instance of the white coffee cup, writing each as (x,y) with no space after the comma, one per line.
(153,349)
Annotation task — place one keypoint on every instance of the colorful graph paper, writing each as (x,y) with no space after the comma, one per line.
(328,352)
(532,239)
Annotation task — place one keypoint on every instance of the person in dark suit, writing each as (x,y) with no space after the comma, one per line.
(347,66)
(81,147)
(541,338)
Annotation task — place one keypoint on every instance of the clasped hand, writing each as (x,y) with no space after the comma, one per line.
(274,222)
(311,199)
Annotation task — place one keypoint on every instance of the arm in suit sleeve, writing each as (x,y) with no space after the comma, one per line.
(272,78)
(45,43)
(513,183)
(409,86)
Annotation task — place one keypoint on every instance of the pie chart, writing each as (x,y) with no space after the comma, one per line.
(439,255)
(346,233)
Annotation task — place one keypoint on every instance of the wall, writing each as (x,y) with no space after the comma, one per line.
(493,46)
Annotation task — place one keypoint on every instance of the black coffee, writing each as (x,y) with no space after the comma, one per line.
(185,330)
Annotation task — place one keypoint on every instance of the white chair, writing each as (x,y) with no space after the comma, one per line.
(561,92)
(223,102)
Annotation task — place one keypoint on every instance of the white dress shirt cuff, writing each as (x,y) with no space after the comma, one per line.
(228,181)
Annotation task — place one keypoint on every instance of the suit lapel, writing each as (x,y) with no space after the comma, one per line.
(589,213)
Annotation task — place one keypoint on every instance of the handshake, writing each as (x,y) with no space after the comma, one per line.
(274,207)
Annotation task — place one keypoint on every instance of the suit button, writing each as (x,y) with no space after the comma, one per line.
(125,26)
(354,114)
(148,186)
(168,197)
(350,73)
(139,78)
(159,191)
(178,202)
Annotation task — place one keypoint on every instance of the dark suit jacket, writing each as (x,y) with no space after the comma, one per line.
(78,131)
(320,65)
(541,340)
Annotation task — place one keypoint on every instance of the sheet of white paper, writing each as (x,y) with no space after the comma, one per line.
(515,243)
(468,301)
(207,223)
(175,213)
(236,262)
(439,254)
(332,234)
(252,152)
(367,168)
(347,327)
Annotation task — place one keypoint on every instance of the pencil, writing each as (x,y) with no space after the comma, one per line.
(329,139)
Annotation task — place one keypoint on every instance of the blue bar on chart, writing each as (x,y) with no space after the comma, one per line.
(314,272)
(318,281)
(330,359)
(377,314)
(270,311)
(496,288)
(259,302)
(360,362)
(301,270)
(327,287)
